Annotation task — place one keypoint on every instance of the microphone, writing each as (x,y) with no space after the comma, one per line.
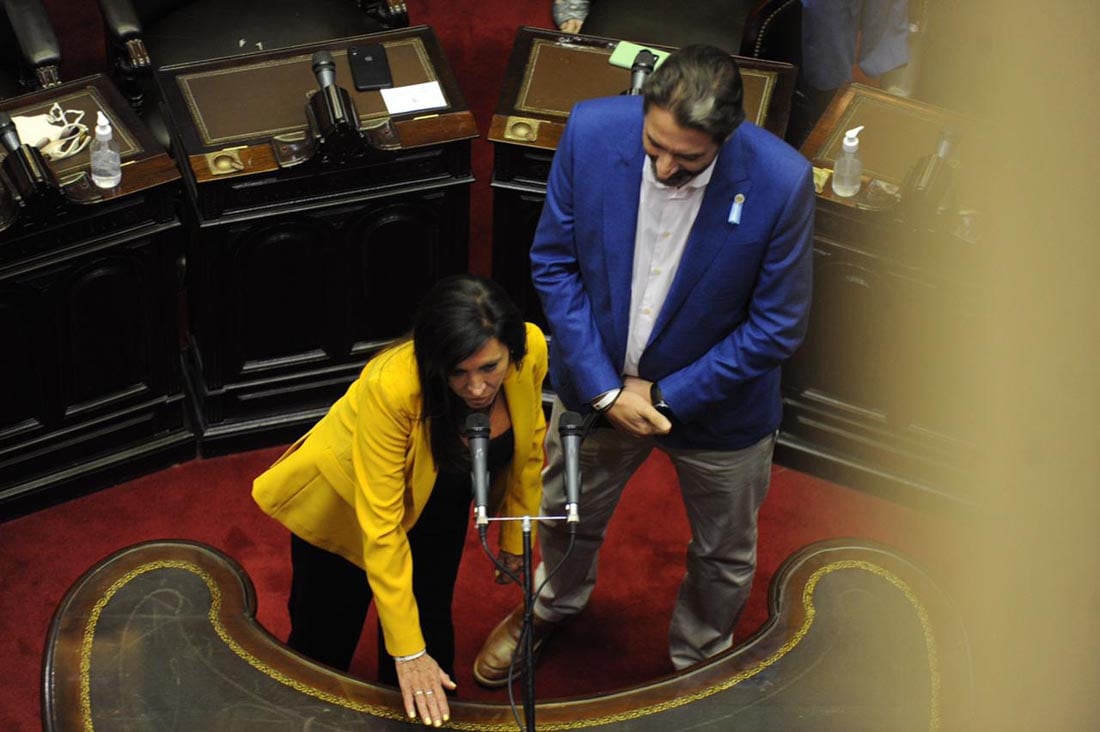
(324,68)
(477,436)
(333,117)
(643,66)
(9,134)
(571,429)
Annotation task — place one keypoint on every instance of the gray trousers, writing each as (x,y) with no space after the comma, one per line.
(722,491)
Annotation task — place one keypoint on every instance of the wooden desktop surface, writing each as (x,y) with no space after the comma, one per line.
(238,104)
(549,72)
(897,133)
(858,637)
(145,163)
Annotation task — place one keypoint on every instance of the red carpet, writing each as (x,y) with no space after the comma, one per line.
(619,640)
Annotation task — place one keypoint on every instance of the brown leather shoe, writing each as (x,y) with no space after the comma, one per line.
(491,665)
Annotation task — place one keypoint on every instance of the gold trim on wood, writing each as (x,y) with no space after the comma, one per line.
(529,71)
(128,145)
(869,103)
(521,129)
(807,601)
(769,78)
(184,81)
(225,162)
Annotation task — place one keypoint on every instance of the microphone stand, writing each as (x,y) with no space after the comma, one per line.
(335,135)
(28,185)
(526,635)
(570,424)
(528,628)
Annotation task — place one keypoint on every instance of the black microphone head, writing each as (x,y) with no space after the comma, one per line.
(477,425)
(9,134)
(322,60)
(324,68)
(645,59)
(571,423)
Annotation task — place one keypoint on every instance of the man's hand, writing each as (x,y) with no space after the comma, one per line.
(422,683)
(632,412)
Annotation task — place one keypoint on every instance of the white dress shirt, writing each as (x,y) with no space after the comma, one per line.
(665,218)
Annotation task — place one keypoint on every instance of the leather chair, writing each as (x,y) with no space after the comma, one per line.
(146,34)
(29,46)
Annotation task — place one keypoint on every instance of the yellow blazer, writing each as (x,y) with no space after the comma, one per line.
(358,481)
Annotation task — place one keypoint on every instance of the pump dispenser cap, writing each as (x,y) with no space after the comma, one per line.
(102,126)
(851,139)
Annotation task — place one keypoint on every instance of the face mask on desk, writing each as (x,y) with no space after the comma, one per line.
(58,134)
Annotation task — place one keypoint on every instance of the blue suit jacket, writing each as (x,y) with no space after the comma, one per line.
(740,300)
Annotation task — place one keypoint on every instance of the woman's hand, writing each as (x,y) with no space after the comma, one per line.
(422,682)
(514,564)
(571,26)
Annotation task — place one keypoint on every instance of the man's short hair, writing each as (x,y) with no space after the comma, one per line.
(700,86)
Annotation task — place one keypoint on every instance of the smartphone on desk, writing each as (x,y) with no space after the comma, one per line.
(370,69)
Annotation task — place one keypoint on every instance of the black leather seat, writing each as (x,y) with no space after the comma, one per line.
(146,34)
(29,49)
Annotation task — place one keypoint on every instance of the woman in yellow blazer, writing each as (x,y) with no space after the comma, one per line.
(377,495)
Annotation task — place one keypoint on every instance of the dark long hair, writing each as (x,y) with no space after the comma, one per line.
(458,316)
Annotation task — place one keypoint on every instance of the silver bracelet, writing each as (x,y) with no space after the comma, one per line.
(413,657)
(607,400)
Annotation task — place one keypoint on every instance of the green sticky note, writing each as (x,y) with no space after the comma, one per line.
(625,52)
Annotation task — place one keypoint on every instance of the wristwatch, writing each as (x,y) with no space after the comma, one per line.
(658,400)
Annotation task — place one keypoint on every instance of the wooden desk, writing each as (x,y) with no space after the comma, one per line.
(880,394)
(88,297)
(296,275)
(547,74)
(164,634)
(898,132)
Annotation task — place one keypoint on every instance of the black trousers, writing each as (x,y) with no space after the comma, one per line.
(330,596)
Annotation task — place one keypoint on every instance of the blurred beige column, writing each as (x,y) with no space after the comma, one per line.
(1034,556)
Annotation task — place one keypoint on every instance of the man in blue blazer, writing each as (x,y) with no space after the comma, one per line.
(673,260)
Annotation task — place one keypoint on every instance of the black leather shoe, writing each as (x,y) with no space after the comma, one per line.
(491,665)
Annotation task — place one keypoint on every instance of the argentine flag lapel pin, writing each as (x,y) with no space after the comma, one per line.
(735,209)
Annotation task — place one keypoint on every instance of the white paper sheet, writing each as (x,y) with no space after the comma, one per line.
(413,98)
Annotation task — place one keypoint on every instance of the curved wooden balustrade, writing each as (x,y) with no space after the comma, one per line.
(163,635)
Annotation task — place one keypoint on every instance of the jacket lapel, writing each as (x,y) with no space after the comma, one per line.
(620,216)
(712,230)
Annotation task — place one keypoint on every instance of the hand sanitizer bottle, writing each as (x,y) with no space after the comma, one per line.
(848,170)
(106,163)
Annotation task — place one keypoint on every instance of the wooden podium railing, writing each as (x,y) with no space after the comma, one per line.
(859,638)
